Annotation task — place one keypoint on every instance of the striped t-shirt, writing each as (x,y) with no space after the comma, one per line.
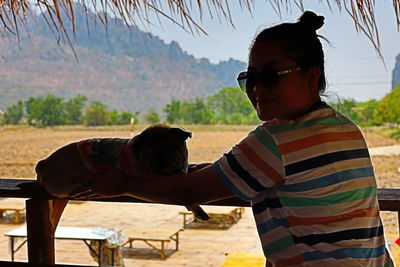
(312,189)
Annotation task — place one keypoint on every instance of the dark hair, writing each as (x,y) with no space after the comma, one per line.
(300,41)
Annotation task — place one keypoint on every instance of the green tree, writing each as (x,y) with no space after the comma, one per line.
(126,116)
(349,108)
(45,111)
(197,112)
(174,111)
(96,114)
(14,113)
(252,119)
(235,118)
(73,109)
(121,118)
(388,109)
(152,116)
(367,114)
(230,106)
(113,117)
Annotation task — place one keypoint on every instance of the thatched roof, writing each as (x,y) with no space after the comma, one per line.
(14,12)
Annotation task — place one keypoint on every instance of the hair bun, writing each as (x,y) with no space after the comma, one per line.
(311,20)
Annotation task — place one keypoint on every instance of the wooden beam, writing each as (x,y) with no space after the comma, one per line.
(389,198)
(42,217)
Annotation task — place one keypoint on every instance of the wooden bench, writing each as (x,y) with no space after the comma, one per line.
(153,235)
(42,218)
(220,218)
(15,205)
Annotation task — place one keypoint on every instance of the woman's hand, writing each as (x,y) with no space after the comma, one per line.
(107,184)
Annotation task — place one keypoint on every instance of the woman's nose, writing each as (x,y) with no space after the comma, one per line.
(259,87)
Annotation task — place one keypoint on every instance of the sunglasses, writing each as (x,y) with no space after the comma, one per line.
(267,77)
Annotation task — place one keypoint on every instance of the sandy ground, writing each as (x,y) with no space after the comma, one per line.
(197,247)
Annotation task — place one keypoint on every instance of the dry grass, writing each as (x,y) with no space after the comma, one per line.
(22,148)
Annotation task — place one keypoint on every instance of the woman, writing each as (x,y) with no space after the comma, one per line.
(306,170)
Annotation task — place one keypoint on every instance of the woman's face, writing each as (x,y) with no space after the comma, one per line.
(292,94)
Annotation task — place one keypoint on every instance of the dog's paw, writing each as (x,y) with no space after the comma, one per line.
(199,213)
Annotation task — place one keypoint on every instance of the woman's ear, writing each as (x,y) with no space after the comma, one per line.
(180,133)
(314,74)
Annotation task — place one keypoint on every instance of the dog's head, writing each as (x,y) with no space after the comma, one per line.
(162,149)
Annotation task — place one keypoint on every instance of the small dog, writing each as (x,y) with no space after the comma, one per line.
(158,149)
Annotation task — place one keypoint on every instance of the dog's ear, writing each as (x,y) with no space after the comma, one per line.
(180,133)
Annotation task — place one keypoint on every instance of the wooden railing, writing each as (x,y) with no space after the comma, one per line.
(43,214)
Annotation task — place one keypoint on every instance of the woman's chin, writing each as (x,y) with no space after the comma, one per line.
(265,117)
(268,111)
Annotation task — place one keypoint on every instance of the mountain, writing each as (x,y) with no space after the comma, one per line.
(121,66)
(396,73)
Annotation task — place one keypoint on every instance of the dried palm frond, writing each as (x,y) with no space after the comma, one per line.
(14,12)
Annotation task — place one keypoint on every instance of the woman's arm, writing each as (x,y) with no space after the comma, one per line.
(198,187)
(197,166)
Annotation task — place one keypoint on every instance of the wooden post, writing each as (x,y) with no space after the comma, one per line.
(42,217)
(398,222)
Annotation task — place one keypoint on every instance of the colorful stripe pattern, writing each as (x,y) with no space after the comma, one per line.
(101,154)
(312,189)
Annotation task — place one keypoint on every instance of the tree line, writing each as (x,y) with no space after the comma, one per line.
(50,110)
(228,106)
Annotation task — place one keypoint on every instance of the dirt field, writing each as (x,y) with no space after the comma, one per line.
(21,149)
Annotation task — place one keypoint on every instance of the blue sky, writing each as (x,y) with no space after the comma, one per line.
(353,68)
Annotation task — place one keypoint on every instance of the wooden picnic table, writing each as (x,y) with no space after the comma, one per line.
(220,217)
(86,234)
(149,236)
(16,205)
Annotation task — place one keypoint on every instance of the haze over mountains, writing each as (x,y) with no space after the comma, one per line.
(122,67)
